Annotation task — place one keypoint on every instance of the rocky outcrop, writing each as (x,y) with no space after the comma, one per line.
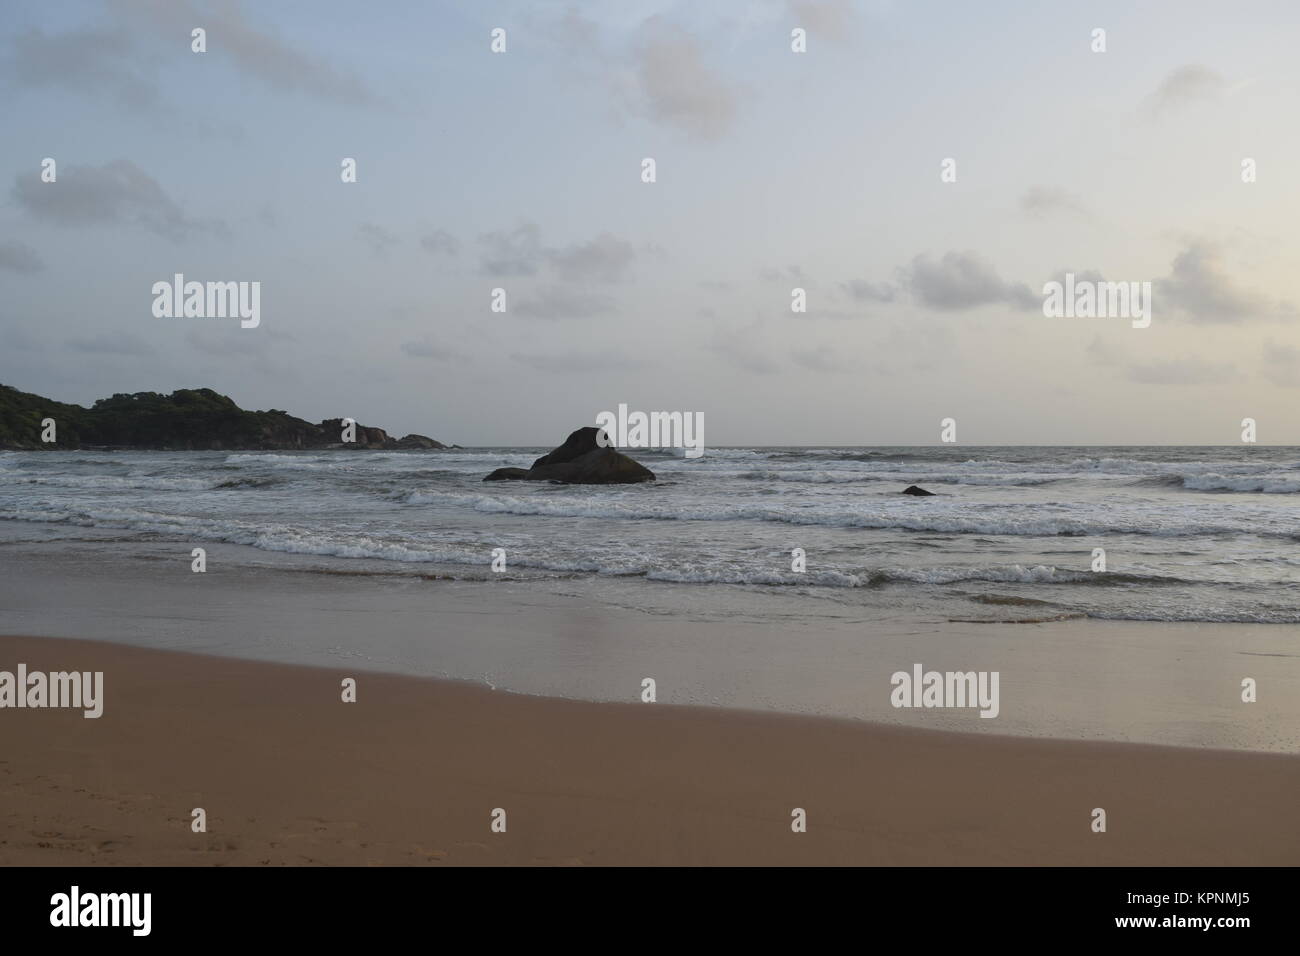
(580,461)
(417,441)
(363,436)
(917,492)
(188,419)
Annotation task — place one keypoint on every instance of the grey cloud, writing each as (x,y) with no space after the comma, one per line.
(604,259)
(1199,287)
(117,193)
(441,242)
(520,252)
(1101,352)
(258,51)
(1282,364)
(17,256)
(110,344)
(792,273)
(831,19)
(678,87)
(377,237)
(742,348)
(1184,372)
(557,302)
(99,61)
(1080,275)
(213,342)
(515,253)
(586,362)
(1184,86)
(962,280)
(426,349)
(823,358)
(18,340)
(1043,201)
(863,291)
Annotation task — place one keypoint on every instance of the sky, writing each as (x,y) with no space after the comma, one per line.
(775,170)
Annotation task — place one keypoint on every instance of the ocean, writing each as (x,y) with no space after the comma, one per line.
(1207,534)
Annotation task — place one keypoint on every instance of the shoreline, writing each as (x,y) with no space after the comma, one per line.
(1144,682)
(409,774)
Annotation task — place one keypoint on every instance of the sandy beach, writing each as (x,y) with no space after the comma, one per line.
(411,773)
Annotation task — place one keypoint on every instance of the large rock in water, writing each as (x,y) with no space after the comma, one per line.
(580,461)
(917,492)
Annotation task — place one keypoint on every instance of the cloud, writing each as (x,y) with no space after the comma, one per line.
(377,237)
(213,342)
(1199,288)
(790,273)
(117,193)
(516,253)
(17,256)
(520,252)
(110,344)
(579,361)
(742,348)
(440,242)
(1184,372)
(1282,364)
(823,358)
(1043,201)
(1184,87)
(426,349)
(18,340)
(99,61)
(962,280)
(862,291)
(257,51)
(604,259)
(832,19)
(558,302)
(677,86)
(1101,352)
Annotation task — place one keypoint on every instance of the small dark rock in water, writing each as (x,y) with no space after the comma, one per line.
(918,492)
(580,461)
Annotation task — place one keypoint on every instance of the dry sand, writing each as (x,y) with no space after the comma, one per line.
(411,772)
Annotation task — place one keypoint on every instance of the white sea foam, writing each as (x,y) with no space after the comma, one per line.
(1190,533)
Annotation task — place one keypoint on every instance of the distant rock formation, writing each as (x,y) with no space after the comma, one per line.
(917,492)
(189,419)
(419,441)
(580,461)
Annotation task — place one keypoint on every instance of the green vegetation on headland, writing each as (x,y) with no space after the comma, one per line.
(189,419)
